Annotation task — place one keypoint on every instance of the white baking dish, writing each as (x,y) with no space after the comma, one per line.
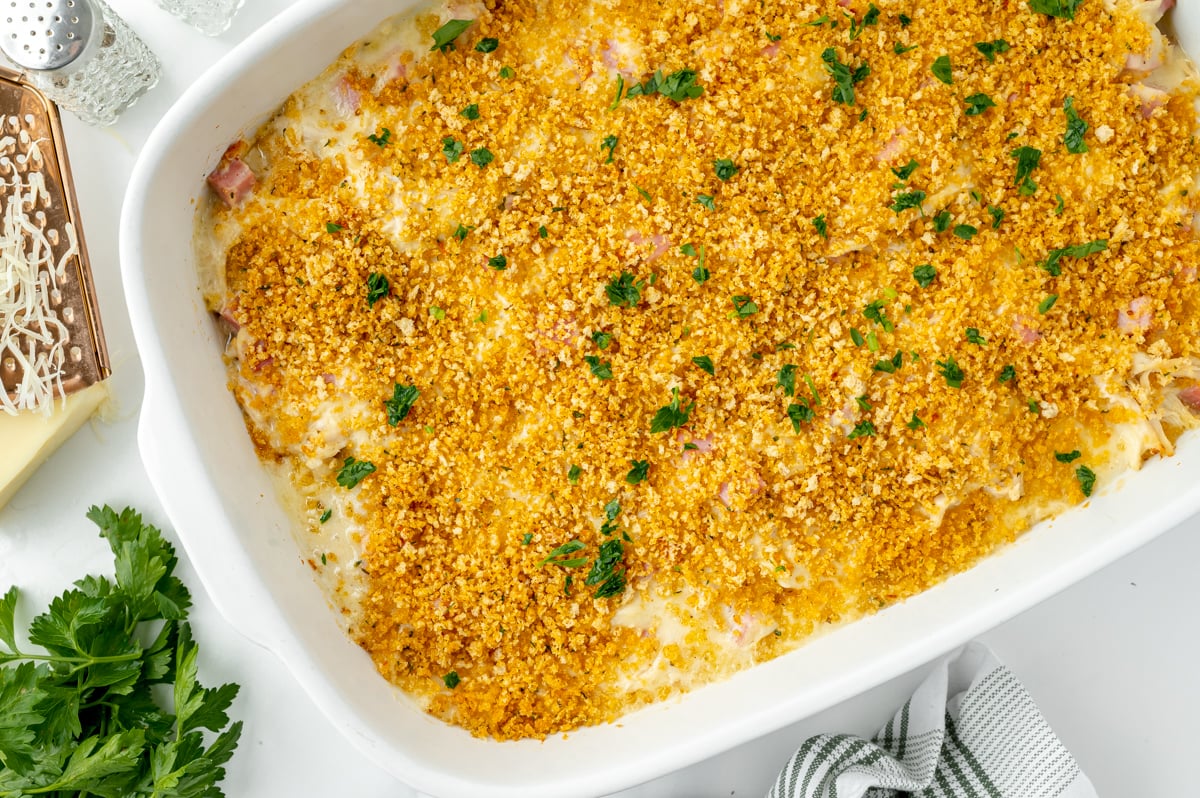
(220,500)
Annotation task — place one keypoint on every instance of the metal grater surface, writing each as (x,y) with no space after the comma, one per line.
(33,162)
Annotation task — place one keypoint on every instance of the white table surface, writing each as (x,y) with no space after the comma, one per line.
(1111,661)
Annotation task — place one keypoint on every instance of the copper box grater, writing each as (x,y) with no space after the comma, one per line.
(72,296)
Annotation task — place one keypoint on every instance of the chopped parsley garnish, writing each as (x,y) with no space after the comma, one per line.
(992,48)
(819,21)
(507,73)
(822,228)
(403,398)
(377,288)
(609,143)
(543,232)
(527,538)
(644,193)
(943,70)
(1075,251)
(799,414)
(1028,159)
(743,307)
(624,290)
(461,232)
(620,93)
(482,157)
(443,37)
(1047,303)
(498,262)
(950,370)
(905,172)
(382,140)
(1007,374)
(706,200)
(978,103)
(1068,457)
(639,472)
(704,363)
(332,228)
(574,473)
(700,274)
(437,313)
(874,312)
(786,379)
(1087,479)
(353,472)
(1076,127)
(601,339)
(844,79)
(856,336)
(941,221)
(1034,407)
(470,112)
(965,231)
(870,18)
(890,366)
(725,168)
(451,679)
(601,369)
(672,415)
(689,250)
(561,556)
(813,388)
(872,341)
(905,20)
(974,337)
(863,403)
(487,45)
(997,215)
(1061,206)
(900,49)
(863,429)
(604,570)
(925,274)
(677,86)
(908,199)
(1062,9)
(325,516)
(915,422)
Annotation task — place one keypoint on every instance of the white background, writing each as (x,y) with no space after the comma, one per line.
(1111,661)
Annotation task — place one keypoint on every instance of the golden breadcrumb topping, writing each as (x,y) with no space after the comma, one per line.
(640,340)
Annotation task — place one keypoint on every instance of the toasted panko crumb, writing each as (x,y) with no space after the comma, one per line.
(927,417)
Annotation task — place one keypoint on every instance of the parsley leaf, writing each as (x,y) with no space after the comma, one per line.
(605,571)
(1062,9)
(624,290)
(443,37)
(672,415)
(470,112)
(601,339)
(1047,303)
(1007,373)
(705,363)
(677,86)
(943,70)
(461,232)
(609,143)
(332,228)
(353,472)
(978,103)
(482,157)
(573,474)
(377,288)
(844,79)
(799,414)
(997,215)
(905,172)
(382,139)
(743,307)
(1028,159)
(1087,479)
(1074,251)
(487,45)
(403,397)
(992,48)
(863,429)
(941,221)
(900,49)
(974,337)
(1068,457)
(915,422)
(639,472)
(822,228)
(725,169)
(602,369)
(925,274)
(506,73)
(910,199)
(498,262)
(786,379)
(965,231)
(707,201)
(950,370)
(874,312)
(1076,127)
(451,680)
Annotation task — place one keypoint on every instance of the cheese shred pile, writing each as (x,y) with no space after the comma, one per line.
(612,347)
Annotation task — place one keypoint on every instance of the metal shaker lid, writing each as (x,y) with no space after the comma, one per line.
(47,34)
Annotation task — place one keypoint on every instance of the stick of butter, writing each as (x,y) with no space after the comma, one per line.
(28,438)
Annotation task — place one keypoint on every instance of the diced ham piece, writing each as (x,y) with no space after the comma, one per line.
(770,51)
(346,98)
(232,180)
(1151,99)
(703,445)
(226,316)
(1137,317)
(661,244)
(894,146)
(723,494)
(1026,334)
(1144,62)
(1190,396)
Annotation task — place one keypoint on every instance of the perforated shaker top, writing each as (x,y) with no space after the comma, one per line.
(46,34)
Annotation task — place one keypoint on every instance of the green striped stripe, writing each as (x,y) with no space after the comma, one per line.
(950,762)
(818,760)
(976,768)
(793,768)
(903,741)
(829,782)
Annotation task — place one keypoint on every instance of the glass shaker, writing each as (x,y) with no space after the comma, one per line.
(211,17)
(80,54)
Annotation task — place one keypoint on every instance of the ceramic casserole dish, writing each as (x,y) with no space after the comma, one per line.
(237,535)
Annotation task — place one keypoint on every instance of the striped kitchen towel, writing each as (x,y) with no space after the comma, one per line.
(969,731)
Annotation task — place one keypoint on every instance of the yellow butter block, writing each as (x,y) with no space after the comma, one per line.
(27,439)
